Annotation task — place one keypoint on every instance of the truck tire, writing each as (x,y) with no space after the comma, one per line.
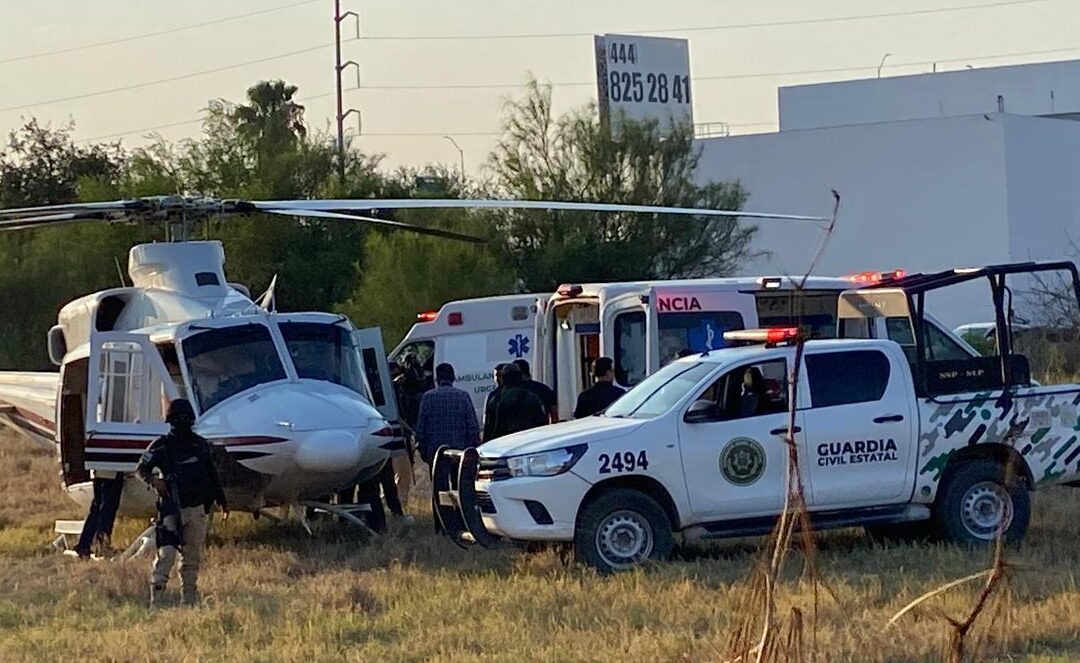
(975,504)
(622,528)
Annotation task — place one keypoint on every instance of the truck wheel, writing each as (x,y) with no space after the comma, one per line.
(620,529)
(975,505)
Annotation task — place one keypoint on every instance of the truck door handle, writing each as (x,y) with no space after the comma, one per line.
(892,418)
(784,430)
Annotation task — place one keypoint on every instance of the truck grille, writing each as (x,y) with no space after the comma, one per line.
(494,469)
(483,500)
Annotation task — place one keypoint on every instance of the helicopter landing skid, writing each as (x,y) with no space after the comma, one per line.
(347,512)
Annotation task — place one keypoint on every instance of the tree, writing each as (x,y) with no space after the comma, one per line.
(46,268)
(405,273)
(575,158)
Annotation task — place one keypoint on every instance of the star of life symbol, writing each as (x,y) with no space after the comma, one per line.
(519,345)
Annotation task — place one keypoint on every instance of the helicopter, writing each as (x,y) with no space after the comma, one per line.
(295,405)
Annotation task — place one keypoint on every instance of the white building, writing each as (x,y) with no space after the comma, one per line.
(935,171)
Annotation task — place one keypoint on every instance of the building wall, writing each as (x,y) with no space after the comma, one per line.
(922,196)
(1043,185)
(1051,88)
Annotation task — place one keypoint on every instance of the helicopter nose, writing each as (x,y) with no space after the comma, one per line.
(328,451)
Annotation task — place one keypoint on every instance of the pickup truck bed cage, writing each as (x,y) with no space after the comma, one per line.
(1010,371)
(920,283)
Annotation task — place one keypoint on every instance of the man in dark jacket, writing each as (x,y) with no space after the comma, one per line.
(603,393)
(514,409)
(545,393)
(180,468)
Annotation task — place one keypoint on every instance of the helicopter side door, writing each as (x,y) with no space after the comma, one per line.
(377,374)
(128,392)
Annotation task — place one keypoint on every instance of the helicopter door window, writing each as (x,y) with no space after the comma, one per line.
(128,394)
(225,361)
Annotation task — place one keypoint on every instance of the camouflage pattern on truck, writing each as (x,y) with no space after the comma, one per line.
(1042,423)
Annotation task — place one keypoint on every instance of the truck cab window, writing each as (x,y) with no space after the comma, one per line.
(842,378)
(940,346)
(751,390)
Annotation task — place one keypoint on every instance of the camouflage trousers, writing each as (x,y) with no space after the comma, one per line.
(193,520)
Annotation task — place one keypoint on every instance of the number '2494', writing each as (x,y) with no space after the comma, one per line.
(625,461)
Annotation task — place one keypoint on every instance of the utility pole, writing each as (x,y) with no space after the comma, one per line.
(340,66)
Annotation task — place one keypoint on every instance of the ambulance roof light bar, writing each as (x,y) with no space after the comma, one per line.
(768,335)
(427,316)
(876,277)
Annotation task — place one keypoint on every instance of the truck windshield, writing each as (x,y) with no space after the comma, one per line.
(325,352)
(659,392)
(226,361)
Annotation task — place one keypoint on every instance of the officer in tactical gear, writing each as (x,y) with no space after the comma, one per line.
(180,468)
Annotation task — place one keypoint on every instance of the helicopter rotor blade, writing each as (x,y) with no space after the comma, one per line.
(454,203)
(44,221)
(424,230)
(73,208)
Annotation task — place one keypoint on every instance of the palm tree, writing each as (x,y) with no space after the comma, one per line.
(271,123)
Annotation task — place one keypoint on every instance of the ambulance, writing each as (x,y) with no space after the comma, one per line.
(642,326)
(475,336)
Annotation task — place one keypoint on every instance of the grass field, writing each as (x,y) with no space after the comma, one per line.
(273,594)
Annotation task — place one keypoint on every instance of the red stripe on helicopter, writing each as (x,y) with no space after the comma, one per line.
(247,440)
(32,418)
(142,443)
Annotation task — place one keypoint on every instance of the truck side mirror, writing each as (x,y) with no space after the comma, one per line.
(701,411)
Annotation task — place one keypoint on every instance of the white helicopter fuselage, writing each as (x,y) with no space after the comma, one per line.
(284,398)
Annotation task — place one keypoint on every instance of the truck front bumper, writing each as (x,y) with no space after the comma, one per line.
(469,510)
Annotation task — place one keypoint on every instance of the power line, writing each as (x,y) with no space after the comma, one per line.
(731,26)
(719,77)
(158,33)
(159,81)
(172,125)
(696,79)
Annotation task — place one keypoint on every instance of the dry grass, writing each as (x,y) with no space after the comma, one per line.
(272,594)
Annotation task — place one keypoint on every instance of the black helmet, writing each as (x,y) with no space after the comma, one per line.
(181,413)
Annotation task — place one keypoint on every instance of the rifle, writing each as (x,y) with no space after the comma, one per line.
(168,528)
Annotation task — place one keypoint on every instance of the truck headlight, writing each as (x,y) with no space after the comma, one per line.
(546,463)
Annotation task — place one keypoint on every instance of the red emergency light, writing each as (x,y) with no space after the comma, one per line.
(768,335)
(427,316)
(568,290)
(876,277)
(455,319)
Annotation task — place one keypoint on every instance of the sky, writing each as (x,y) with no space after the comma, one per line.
(741,51)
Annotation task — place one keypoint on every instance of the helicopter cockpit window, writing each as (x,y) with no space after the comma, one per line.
(226,361)
(325,352)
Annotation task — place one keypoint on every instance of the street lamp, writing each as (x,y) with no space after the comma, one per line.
(882,64)
(461,153)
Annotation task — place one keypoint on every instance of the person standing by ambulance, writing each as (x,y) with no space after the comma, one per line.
(603,393)
(447,417)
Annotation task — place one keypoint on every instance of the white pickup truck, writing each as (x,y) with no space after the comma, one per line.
(886,433)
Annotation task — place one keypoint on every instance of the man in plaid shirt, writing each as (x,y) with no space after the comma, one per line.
(446,417)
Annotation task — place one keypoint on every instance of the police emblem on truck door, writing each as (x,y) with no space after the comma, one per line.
(742,462)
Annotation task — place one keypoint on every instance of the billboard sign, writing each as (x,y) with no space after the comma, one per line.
(641,78)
